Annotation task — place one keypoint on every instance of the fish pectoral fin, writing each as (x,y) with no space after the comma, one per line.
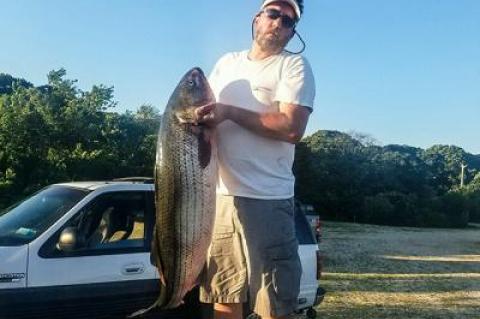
(204,148)
(197,130)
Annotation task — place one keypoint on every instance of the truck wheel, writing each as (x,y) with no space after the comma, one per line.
(311,313)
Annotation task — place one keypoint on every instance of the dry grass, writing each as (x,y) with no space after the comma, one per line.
(390,272)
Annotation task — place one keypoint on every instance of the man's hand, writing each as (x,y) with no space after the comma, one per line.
(211,114)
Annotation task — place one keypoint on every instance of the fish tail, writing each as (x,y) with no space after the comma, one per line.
(159,303)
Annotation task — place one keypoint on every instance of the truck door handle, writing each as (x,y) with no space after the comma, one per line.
(133,269)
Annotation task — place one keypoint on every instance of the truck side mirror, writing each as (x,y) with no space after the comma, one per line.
(68,240)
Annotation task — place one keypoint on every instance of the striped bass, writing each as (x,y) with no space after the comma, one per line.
(185,180)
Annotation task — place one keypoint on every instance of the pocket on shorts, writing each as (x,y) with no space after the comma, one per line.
(286,270)
(222,241)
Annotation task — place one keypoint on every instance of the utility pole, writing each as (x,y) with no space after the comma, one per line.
(462,176)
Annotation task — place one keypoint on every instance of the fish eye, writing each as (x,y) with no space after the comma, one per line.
(190,83)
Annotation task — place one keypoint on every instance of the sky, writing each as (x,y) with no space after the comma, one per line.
(402,71)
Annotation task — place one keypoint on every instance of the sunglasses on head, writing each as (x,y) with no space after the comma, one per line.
(274,14)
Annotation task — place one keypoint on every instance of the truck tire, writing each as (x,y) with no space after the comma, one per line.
(311,313)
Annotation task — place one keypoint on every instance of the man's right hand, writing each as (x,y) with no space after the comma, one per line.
(211,114)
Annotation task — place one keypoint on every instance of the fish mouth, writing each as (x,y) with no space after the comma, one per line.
(197,77)
(196,70)
(194,92)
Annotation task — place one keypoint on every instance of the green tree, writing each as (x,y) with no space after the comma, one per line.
(352,178)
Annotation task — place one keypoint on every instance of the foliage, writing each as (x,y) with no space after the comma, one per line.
(472,195)
(350,178)
(57,132)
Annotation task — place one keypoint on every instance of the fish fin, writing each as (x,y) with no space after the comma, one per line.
(153,250)
(204,148)
(159,303)
(162,278)
(197,130)
(156,259)
(141,312)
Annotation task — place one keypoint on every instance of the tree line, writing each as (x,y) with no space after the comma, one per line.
(57,132)
(349,177)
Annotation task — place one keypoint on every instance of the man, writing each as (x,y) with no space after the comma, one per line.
(264,98)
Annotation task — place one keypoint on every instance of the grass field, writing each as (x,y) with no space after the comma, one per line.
(398,272)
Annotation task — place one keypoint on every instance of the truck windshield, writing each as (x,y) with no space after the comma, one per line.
(28,219)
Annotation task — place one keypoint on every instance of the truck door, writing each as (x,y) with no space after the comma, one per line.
(109,270)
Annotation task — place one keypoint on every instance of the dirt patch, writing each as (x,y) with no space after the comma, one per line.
(398,272)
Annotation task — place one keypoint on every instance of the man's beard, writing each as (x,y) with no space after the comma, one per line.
(270,42)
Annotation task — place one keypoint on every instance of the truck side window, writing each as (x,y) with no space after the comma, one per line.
(113,220)
(112,223)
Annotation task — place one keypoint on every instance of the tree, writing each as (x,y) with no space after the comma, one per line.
(8,82)
(472,195)
(357,180)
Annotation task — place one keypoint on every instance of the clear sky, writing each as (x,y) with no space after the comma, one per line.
(403,71)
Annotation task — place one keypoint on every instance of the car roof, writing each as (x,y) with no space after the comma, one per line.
(94,185)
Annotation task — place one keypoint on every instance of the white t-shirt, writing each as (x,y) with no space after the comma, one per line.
(251,165)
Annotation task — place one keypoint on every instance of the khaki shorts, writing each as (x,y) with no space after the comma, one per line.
(253,256)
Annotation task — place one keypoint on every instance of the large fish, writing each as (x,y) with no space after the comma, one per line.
(185,178)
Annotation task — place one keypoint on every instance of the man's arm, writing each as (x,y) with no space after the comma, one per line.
(288,124)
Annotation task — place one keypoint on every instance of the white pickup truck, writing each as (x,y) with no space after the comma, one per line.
(82,250)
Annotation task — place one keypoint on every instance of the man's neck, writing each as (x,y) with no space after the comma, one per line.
(256,53)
